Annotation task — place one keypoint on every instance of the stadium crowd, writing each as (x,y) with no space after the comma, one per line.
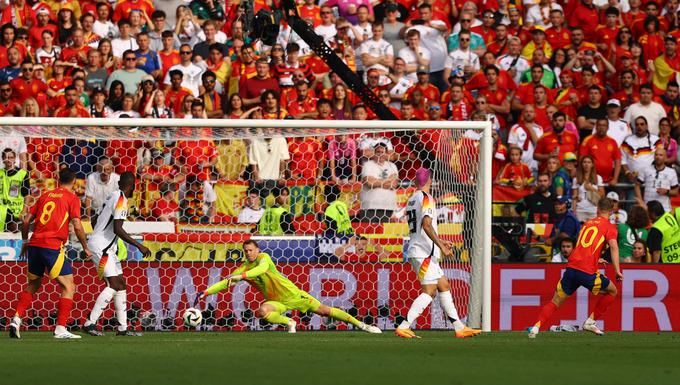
(582,94)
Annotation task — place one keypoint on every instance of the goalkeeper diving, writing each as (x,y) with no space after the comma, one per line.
(279,292)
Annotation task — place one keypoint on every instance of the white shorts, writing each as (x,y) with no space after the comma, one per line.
(427,270)
(107,264)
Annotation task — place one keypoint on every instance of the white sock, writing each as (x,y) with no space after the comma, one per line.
(100,305)
(59,329)
(446,302)
(120,303)
(417,308)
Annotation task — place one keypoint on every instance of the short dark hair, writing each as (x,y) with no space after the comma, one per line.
(646,86)
(655,208)
(491,67)
(611,11)
(66,176)
(158,14)
(166,34)
(176,72)
(126,179)
(559,114)
(208,74)
(7,151)
(322,101)
(250,242)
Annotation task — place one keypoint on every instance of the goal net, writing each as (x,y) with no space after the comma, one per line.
(205,186)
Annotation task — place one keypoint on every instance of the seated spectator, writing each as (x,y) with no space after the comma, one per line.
(197,201)
(166,208)
(560,180)
(565,223)
(640,254)
(156,106)
(15,192)
(277,220)
(619,215)
(633,230)
(252,212)
(127,109)
(566,247)
(588,189)
(379,183)
(342,156)
(336,215)
(99,185)
(539,205)
(661,182)
(356,250)
(515,173)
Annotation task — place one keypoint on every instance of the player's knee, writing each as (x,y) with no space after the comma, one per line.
(262,312)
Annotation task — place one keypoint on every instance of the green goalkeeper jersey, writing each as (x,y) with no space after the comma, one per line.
(262,274)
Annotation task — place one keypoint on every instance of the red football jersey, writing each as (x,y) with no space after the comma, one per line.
(52,214)
(591,241)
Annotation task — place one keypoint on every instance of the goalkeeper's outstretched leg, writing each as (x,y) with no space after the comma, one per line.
(281,294)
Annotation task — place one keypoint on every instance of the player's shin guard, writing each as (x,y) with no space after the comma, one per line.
(546,313)
(602,305)
(276,318)
(446,303)
(341,315)
(103,301)
(25,299)
(120,303)
(419,305)
(64,311)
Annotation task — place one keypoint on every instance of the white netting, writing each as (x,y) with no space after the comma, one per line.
(197,199)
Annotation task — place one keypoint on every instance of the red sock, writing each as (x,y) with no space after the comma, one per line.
(602,305)
(25,299)
(64,310)
(546,313)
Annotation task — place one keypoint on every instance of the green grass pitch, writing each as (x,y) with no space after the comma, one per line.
(342,358)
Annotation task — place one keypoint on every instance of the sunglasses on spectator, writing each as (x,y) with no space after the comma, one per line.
(325,12)
(130,58)
(5,90)
(27,69)
(185,52)
(480,102)
(464,39)
(465,20)
(277,49)
(435,108)
(210,81)
(384,95)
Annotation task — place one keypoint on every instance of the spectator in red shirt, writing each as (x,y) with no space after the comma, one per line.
(166,208)
(8,107)
(555,143)
(586,16)
(199,155)
(253,87)
(125,7)
(27,86)
(605,153)
(429,91)
(525,91)
(557,35)
(73,108)
(19,14)
(304,107)
(515,173)
(304,158)
(457,108)
(77,52)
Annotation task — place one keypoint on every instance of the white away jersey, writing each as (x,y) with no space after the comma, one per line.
(419,206)
(103,237)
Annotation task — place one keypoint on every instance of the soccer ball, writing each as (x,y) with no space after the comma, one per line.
(192,317)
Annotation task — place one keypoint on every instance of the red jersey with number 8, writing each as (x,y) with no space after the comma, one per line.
(53,212)
(591,240)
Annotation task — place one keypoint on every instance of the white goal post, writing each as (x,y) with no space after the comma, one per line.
(478,257)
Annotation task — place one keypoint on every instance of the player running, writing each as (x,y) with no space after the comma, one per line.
(424,250)
(108,227)
(582,269)
(279,292)
(45,251)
